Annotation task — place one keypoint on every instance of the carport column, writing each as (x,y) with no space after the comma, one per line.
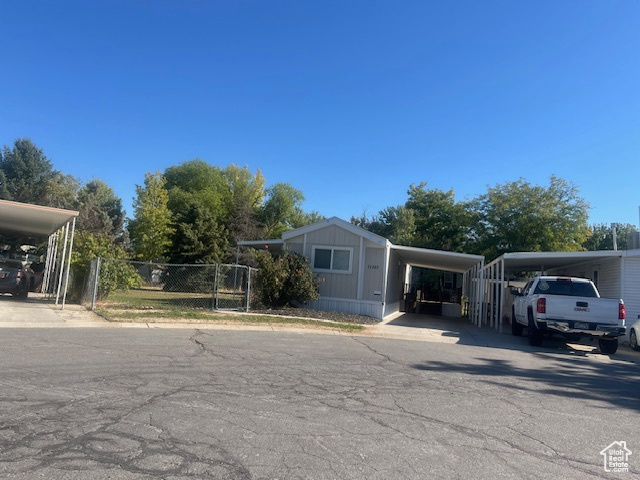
(47,265)
(54,262)
(501,286)
(66,282)
(62,260)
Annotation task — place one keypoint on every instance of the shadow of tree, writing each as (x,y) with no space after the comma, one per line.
(614,382)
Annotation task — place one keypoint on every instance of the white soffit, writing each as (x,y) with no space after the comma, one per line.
(534,261)
(437,259)
(32,220)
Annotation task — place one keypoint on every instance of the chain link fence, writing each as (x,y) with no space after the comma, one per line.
(142,285)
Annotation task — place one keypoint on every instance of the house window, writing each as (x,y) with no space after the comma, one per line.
(332,259)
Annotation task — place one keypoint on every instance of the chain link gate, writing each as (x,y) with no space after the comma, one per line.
(232,287)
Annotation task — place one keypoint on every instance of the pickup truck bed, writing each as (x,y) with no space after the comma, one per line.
(568,306)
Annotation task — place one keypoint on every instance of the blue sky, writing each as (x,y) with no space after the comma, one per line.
(349,101)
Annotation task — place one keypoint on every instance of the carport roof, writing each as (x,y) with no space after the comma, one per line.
(437,259)
(32,220)
(546,260)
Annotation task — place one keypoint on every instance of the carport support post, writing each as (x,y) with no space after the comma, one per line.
(95,283)
(66,281)
(501,294)
(64,257)
(47,266)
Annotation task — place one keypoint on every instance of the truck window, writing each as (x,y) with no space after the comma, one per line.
(565,287)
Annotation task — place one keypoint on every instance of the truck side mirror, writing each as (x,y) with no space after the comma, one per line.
(516,292)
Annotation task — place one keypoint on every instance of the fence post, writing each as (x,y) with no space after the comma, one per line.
(214,302)
(95,283)
(248,288)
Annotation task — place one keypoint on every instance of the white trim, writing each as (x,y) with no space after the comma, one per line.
(304,244)
(332,249)
(360,292)
(385,277)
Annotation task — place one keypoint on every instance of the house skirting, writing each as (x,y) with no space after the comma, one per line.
(354,307)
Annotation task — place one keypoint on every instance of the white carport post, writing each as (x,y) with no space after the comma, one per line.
(52,258)
(66,282)
(47,265)
(64,254)
(501,286)
(479,291)
(62,262)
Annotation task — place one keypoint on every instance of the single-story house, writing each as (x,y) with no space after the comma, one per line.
(365,274)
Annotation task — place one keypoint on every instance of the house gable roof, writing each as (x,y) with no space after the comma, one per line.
(338,222)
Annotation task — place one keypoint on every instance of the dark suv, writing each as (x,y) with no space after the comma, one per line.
(15,278)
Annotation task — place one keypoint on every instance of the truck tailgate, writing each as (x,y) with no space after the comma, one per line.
(603,311)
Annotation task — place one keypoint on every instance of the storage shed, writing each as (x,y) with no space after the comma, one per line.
(364,273)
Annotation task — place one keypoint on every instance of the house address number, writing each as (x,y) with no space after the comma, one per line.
(373,267)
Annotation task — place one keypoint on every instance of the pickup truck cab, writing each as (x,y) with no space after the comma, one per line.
(569,306)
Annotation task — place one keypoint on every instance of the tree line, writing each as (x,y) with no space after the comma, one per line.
(196,212)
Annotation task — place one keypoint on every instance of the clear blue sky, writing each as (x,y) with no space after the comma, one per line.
(349,101)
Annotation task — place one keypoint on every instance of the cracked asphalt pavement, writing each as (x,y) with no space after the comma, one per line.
(187,403)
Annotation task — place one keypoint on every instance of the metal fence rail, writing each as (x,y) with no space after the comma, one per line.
(144,285)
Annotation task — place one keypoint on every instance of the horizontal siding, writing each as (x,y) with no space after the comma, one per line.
(631,293)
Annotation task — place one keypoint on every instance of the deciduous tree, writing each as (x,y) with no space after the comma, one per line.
(521,217)
(100,210)
(601,236)
(151,228)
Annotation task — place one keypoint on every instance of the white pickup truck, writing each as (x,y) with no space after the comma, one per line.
(569,306)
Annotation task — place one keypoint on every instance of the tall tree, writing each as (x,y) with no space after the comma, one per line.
(26,172)
(398,224)
(246,194)
(441,223)
(198,199)
(521,217)
(151,228)
(281,209)
(100,210)
(601,236)
(62,191)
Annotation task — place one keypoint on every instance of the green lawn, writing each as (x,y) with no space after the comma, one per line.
(147,305)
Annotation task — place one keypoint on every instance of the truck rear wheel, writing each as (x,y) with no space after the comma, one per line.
(535,335)
(608,346)
(516,328)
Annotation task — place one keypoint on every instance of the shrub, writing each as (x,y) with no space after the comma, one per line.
(285,279)
(113,275)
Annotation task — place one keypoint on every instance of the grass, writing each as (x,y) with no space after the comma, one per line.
(116,315)
(152,304)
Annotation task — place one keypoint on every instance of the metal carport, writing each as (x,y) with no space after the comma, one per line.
(469,265)
(494,277)
(42,222)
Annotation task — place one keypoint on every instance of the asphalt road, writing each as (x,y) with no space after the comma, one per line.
(183,403)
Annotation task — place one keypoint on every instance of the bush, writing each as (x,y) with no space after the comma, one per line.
(285,279)
(113,275)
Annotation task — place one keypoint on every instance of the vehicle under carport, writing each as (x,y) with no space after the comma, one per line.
(616,274)
(42,223)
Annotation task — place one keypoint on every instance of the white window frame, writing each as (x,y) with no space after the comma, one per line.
(332,249)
